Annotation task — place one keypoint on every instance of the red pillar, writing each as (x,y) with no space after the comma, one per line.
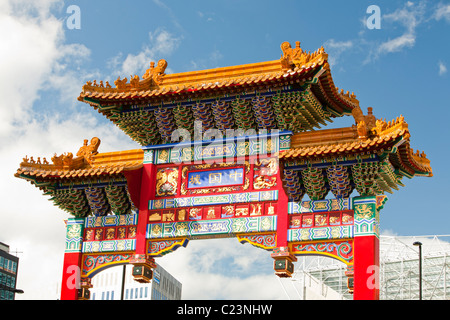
(284,260)
(282,210)
(366,249)
(282,218)
(147,192)
(72,260)
(71,276)
(366,268)
(142,265)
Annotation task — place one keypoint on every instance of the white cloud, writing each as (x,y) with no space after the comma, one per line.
(161,44)
(36,58)
(401,25)
(410,16)
(336,48)
(397,44)
(31,51)
(442,68)
(407,19)
(442,12)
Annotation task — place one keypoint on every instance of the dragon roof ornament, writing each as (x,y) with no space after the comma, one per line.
(296,57)
(153,77)
(66,160)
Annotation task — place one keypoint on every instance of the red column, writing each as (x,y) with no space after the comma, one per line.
(142,265)
(284,260)
(282,217)
(366,268)
(148,182)
(366,249)
(282,210)
(72,260)
(71,276)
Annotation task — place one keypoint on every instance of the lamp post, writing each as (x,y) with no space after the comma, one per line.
(419,244)
(13,290)
(123,281)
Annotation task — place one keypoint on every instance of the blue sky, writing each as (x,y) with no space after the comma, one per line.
(400,69)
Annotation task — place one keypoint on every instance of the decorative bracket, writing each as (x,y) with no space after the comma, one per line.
(263,241)
(163,247)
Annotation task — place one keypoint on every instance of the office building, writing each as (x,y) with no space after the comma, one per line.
(107,285)
(8,273)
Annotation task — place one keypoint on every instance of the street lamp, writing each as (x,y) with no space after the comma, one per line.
(13,290)
(419,244)
(123,281)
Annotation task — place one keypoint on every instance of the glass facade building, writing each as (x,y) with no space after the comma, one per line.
(8,273)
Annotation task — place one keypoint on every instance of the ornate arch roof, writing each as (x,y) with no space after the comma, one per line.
(295,92)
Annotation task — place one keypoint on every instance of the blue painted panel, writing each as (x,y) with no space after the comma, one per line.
(215,178)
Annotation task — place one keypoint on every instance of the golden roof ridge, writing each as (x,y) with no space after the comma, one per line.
(293,60)
(87,162)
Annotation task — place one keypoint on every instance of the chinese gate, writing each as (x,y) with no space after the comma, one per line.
(229,152)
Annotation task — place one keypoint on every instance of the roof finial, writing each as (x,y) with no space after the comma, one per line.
(156,73)
(87,151)
(296,57)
